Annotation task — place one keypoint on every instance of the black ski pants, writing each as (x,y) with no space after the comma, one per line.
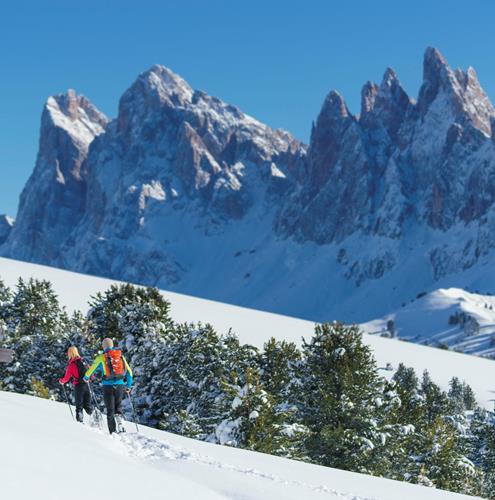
(112,395)
(83,400)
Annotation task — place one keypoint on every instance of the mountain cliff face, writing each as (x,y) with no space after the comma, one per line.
(172,154)
(54,198)
(6,224)
(400,166)
(186,192)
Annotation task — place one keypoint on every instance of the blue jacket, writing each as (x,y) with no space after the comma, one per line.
(100,365)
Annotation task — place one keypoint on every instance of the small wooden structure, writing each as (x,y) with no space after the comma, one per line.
(6,355)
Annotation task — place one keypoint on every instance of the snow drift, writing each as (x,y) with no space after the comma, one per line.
(44,454)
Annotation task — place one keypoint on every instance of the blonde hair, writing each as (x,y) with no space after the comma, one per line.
(72,352)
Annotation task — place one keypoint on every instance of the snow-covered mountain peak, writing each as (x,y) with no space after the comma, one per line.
(455,93)
(166,83)
(161,98)
(186,191)
(389,88)
(434,63)
(334,106)
(477,103)
(384,107)
(76,115)
(55,194)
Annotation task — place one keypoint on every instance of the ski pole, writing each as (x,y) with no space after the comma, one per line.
(133,411)
(67,399)
(95,402)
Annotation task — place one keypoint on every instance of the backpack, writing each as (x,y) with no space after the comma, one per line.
(115,364)
(82,368)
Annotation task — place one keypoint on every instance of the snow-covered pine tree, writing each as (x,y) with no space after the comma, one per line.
(77,332)
(456,396)
(36,332)
(183,395)
(435,451)
(127,312)
(389,456)
(5,304)
(435,400)
(280,369)
(138,320)
(407,388)
(5,300)
(478,424)
(404,421)
(189,393)
(340,388)
(441,462)
(469,397)
(483,448)
(256,422)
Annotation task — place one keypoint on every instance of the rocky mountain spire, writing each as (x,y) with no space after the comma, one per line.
(458,92)
(54,196)
(437,75)
(384,106)
(187,192)
(327,137)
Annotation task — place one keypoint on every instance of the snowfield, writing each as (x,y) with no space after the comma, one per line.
(44,454)
(426,320)
(256,327)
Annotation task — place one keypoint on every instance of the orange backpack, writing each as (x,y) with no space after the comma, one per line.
(115,364)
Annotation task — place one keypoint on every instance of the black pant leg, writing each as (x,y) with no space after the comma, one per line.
(79,397)
(87,403)
(109,398)
(119,395)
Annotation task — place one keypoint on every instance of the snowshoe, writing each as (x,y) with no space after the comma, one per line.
(119,424)
(96,419)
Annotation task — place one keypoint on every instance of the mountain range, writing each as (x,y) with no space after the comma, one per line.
(188,193)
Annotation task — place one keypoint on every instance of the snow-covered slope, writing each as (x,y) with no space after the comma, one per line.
(44,454)
(451,317)
(256,327)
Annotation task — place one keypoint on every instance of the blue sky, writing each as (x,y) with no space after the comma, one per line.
(275,59)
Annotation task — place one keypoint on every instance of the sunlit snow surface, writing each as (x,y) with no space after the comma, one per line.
(426,320)
(44,454)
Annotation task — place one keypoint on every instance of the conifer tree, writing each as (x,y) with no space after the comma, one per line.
(340,388)
(5,304)
(456,395)
(188,381)
(255,421)
(407,386)
(35,331)
(280,368)
(435,400)
(138,320)
(443,463)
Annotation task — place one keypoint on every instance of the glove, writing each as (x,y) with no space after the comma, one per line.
(60,381)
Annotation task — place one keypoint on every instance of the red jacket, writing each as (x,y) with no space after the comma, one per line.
(71,373)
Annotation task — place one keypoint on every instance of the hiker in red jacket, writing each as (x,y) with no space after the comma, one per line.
(75,371)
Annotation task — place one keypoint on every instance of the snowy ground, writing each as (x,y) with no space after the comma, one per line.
(256,327)
(426,320)
(44,454)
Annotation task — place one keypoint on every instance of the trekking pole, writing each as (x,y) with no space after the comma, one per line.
(133,411)
(95,402)
(67,399)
